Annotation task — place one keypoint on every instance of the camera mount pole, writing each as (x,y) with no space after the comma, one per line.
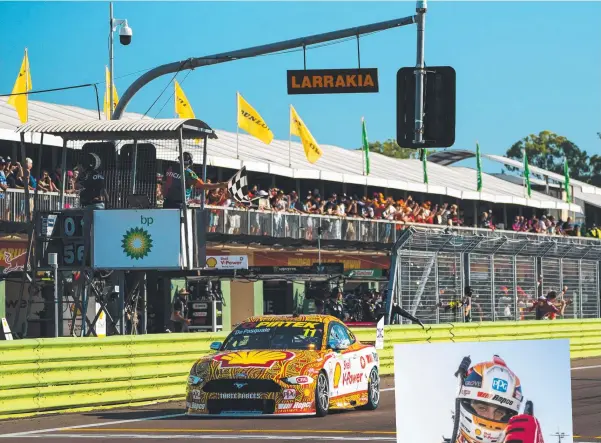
(420,72)
(254,51)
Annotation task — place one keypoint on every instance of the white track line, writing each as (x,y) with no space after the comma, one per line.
(90,425)
(211,437)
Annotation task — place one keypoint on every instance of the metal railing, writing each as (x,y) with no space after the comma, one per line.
(304,226)
(432,266)
(12,203)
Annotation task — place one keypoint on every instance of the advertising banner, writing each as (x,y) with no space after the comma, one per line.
(227,262)
(137,238)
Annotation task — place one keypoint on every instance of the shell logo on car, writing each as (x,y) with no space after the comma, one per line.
(252,359)
(337,373)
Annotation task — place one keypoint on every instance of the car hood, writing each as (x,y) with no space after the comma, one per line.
(259,364)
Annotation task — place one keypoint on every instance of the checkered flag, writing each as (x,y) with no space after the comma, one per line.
(238,186)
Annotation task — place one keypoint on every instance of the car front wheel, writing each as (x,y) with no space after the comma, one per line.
(322,395)
(373,391)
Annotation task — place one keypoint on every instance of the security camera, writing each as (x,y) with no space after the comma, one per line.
(125,34)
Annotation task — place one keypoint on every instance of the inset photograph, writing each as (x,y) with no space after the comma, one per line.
(484,392)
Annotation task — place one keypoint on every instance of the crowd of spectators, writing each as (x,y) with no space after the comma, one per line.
(13,175)
(547,225)
(367,207)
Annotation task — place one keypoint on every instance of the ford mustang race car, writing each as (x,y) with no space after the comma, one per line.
(285,365)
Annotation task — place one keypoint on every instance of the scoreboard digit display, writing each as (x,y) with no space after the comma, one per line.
(66,234)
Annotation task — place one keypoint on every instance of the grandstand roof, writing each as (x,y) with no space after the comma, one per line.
(119,129)
(337,164)
(450,156)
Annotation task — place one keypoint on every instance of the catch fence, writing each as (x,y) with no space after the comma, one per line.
(507,272)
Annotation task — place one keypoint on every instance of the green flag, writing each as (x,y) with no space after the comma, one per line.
(479,167)
(566,181)
(365,146)
(527,174)
(424,162)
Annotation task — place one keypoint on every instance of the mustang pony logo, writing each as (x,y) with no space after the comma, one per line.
(252,359)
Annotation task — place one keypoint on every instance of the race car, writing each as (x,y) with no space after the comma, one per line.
(285,366)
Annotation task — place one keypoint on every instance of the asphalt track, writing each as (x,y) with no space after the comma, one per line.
(167,422)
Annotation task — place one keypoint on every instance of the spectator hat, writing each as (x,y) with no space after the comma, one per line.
(2,161)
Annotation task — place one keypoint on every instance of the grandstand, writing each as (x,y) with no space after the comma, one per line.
(339,170)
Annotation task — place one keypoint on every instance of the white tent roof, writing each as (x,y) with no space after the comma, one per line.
(337,164)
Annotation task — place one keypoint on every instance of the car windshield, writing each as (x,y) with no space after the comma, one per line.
(302,335)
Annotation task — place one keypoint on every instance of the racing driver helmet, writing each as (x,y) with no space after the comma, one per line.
(490,395)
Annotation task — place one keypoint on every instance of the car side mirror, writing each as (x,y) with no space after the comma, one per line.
(216,345)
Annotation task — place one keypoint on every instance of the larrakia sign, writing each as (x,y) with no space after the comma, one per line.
(333,81)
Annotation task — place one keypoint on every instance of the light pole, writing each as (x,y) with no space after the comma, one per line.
(125,34)
(53,261)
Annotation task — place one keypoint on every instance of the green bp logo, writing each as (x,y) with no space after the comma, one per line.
(137,243)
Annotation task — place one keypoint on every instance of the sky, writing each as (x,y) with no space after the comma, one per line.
(426,386)
(522,67)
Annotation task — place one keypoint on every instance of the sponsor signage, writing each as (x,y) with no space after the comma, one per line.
(227,262)
(499,384)
(332,81)
(315,269)
(137,239)
(364,273)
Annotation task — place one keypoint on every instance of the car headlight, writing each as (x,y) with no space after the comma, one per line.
(299,380)
(194,380)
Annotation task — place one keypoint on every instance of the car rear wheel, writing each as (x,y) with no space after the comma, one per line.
(322,395)
(373,391)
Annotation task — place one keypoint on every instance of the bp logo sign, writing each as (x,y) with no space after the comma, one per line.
(136,243)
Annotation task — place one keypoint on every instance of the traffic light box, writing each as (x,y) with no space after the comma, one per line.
(439,107)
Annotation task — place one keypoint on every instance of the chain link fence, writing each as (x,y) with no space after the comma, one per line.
(507,273)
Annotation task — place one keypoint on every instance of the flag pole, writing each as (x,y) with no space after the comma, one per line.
(290,139)
(27,87)
(362,147)
(237,125)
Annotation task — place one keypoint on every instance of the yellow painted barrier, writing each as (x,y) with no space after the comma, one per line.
(53,375)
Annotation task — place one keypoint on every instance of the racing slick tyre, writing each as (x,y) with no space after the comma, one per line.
(322,395)
(373,391)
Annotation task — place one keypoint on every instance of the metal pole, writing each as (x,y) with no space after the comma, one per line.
(56,300)
(134,168)
(214,315)
(514,265)
(290,141)
(237,125)
(492,287)
(63,174)
(111,57)
(184,205)
(255,51)
(420,73)
(204,172)
(143,282)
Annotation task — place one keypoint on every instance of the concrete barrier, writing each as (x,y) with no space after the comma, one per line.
(67,374)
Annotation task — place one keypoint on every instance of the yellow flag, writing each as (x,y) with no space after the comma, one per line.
(23,84)
(251,121)
(107,96)
(182,105)
(298,128)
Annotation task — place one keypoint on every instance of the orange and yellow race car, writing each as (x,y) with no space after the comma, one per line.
(283,366)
